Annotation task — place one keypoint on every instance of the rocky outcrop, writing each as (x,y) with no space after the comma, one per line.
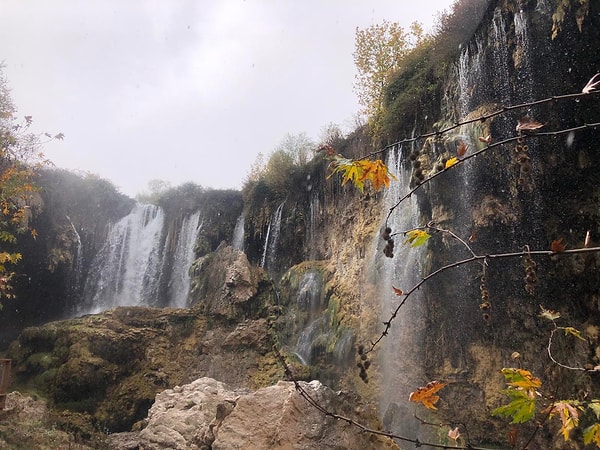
(208,415)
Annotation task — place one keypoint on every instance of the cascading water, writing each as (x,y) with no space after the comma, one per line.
(309,301)
(126,271)
(272,238)
(238,234)
(314,211)
(179,282)
(399,354)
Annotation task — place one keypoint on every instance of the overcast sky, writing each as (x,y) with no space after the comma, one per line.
(185,90)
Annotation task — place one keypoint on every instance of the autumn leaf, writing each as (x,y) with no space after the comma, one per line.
(454,434)
(376,172)
(520,378)
(59,136)
(416,238)
(557,246)
(462,149)
(451,162)
(427,394)
(526,124)
(573,332)
(592,434)
(569,416)
(486,139)
(397,291)
(549,314)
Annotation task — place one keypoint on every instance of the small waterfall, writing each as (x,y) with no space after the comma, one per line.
(238,233)
(127,270)
(78,257)
(179,282)
(272,238)
(400,369)
(309,301)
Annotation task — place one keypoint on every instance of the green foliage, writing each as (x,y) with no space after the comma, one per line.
(521,407)
(416,238)
(20,157)
(379,51)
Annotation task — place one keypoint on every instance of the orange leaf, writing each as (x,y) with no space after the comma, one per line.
(397,291)
(558,246)
(462,149)
(427,394)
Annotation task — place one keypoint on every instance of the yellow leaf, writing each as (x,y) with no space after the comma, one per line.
(427,394)
(451,162)
(416,238)
(573,332)
(569,416)
(549,314)
(592,434)
(521,378)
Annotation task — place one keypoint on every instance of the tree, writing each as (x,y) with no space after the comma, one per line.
(379,52)
(298,146)
(20,157)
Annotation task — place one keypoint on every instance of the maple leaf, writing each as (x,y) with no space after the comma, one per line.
(397,291)
(451,162)
(454,434)
(528,125)
(557,246)
(569,416)
(416,238)
(462,149)
(549,314)
(592,434)
(521,407)
(592,84)
(377,172)
(427,394)
(521,378)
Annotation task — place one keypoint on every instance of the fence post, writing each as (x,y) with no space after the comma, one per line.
(4,375)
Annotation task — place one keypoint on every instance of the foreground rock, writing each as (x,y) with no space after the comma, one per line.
(207,414)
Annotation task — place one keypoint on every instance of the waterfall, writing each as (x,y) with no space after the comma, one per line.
(238,233)
(309,302)
(179,282)
(314,211)
(127,269)
(399,355)
(272,238)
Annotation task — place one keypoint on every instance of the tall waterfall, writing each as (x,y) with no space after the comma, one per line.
(179,283)
(130,268)
(400,368)
(272,238)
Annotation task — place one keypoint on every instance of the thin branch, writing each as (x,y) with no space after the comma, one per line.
(484,259)
(363,428)
(481,118)
(549,348)
(485,149)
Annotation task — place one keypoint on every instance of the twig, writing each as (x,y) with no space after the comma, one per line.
(363,428)
(484,259)
(483,150)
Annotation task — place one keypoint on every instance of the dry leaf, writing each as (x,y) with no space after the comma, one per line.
(557,246)
(454,434)
(526,124)
(397,291)
(462,149)
(427,394)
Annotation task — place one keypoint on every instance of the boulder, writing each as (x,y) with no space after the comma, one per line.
(208,415)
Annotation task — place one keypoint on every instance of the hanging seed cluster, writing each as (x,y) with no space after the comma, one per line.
(530,274)
(363,363)
(523,160)
(485,304)
(388,250)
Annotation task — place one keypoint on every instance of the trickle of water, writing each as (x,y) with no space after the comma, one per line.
(272,238)
(399,355)
(238,233)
